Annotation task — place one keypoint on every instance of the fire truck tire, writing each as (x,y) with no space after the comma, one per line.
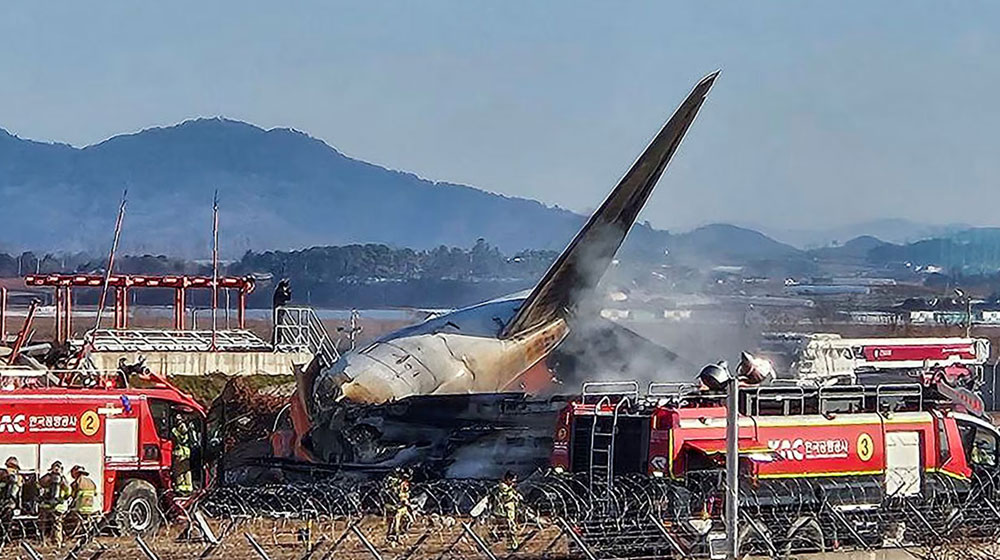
(804,536)
(138,510)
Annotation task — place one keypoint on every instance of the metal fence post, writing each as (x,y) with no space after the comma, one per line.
(31,552)
(576,539)
(478,541)
(256,547)
(364,540)
(146,549)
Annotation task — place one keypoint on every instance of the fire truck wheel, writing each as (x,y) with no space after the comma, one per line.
(137,509)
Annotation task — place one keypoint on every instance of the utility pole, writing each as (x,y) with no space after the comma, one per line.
(717,378)
(111,260)
(732,466)
(968,317)
(968,311)
(215,267)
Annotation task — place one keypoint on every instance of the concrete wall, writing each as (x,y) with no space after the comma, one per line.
(200,363)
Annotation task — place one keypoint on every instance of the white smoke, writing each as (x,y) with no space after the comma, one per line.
(646,349)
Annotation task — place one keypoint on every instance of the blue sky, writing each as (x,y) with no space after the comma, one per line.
(826,112)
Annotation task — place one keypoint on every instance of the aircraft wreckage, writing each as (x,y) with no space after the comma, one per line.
(443,382)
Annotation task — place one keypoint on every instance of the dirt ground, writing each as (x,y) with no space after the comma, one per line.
(429,538)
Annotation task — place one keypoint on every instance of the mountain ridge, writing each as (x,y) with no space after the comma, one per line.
(261,174)
(281,188)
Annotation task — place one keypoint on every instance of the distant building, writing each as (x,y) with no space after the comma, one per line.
(677,314)
(872,282)
(990,317)
(922,317)
(615,314)
(826,290)
(938,317)
(873,317)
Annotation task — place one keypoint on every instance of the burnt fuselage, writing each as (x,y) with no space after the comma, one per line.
(456,353)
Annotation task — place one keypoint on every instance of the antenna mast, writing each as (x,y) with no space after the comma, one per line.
(215,265)
(111,259)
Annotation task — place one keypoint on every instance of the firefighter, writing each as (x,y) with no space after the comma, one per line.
(282,295)
(983,453)
(84,505)
(506,500)
(183,440)
(10,494)
(54,503)
(397,502)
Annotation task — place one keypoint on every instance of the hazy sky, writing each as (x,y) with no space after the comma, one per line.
(826,112)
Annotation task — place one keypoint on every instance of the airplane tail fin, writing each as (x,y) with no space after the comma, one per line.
(582,264)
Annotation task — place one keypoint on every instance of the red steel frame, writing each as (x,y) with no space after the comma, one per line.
(3,314)
(122,283)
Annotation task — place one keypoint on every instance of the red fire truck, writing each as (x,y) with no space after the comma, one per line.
(802,448)
(824,357)
(120,435)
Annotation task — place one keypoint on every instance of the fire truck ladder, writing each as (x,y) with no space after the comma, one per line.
(603,432)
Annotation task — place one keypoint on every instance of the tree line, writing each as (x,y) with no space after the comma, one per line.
(347,275)
(350,263)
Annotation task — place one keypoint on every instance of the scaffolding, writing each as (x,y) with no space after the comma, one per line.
(178,341)
(122,283)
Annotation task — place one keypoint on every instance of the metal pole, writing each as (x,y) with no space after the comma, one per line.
(32,553)
(68,304)
(576,539)
(215,264)
(111,260)
(59,306)
(241,309)
(124,290)
(3,314)
(181,306)
(149,552)
(478,541)
(968,317)
(732,469)
(256,547)
(368,544)
(22,336)
(995,383)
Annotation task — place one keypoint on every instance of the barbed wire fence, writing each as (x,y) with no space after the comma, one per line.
(562,517)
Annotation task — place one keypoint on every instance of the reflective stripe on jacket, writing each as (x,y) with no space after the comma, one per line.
(85,496)
(55,493)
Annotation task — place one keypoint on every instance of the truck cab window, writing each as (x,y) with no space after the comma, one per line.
(984,449)
(186,431)
(160,410)
(980,445)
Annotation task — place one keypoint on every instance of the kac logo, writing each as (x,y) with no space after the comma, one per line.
(787,449)
(801,450)
(12,424)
